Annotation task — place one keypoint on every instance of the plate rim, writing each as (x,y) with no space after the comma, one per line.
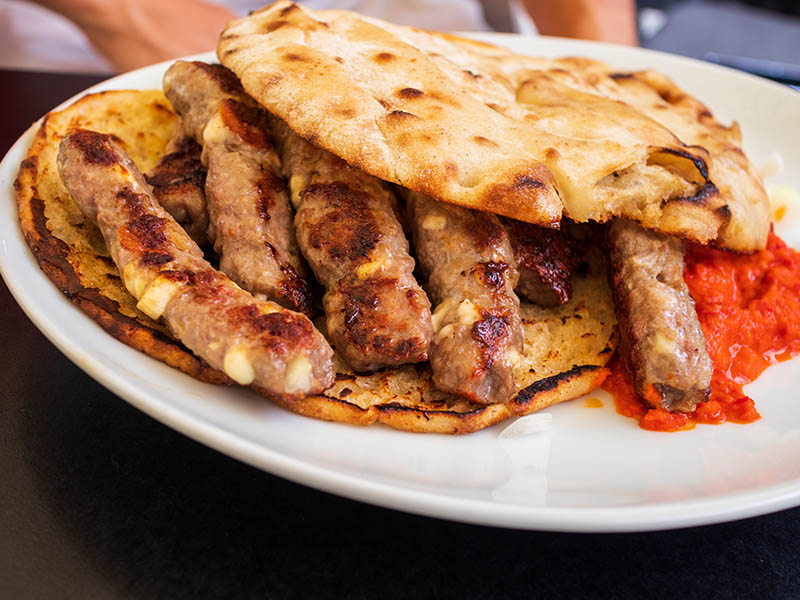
(618,518)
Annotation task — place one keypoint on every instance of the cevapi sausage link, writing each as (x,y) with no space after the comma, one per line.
(253,341)
(545,262)
(251,220)
(377,314)
(471,276)
(178,181)
(661,336)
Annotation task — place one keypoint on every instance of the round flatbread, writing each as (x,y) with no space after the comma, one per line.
(566,348)
(70,248)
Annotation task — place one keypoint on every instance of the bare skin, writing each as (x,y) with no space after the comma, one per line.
(135,33)
(600,20)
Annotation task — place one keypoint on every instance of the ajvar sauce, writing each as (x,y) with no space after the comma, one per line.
(749,308)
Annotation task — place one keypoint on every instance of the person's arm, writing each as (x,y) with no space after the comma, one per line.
(134,33)
(601,20)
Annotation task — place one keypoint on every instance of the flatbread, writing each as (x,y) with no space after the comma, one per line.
(70,248)
(740,208)
(566,348)
(442,118)
(738,181)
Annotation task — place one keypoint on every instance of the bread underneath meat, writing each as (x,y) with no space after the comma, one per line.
(566,348)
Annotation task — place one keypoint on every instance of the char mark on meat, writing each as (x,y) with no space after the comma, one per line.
(250,215)
(377,315)
(178,181)
(254,341)
(546,261)
(661,336)
(471,277)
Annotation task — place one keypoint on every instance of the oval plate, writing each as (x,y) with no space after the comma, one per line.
(591,470)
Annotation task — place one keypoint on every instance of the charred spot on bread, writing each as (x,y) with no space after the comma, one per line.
(410,92)
(271,26)
(295,57)
(703,195)
(479,139)
(401,115)
(384,57)
(551,153)
(525,181)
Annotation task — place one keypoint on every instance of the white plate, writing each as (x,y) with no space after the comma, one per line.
(592,470)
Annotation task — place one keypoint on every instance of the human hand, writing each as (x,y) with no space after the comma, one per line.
(601,20)
(134,33)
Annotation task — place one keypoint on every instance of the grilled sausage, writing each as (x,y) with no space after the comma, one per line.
(377,314)
(251,220)
(661,336)
(471,276)
(545,262)
(253,341)
(178,181)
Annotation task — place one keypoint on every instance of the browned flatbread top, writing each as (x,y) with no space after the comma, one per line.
(738,207)
(368,97)
(415,108)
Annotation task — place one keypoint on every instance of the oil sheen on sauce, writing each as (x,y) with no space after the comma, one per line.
(749,308)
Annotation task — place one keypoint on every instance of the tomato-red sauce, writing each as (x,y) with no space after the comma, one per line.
(749,308)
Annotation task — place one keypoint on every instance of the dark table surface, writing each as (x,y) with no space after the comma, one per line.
(98,500)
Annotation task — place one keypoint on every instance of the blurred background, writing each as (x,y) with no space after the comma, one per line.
(759,36)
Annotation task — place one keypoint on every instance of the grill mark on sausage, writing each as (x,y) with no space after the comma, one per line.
(490,332)
(279,324)
(225,78)
(95,149)
(265,195)
(296,288)
(145,232)
(349,230)
(178,182)
(546,260)
(250,213)
(471,271)
(206,310)
(493,274)
(245,121)
(485,233)
(156,258)
(376,313)
(364,315)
